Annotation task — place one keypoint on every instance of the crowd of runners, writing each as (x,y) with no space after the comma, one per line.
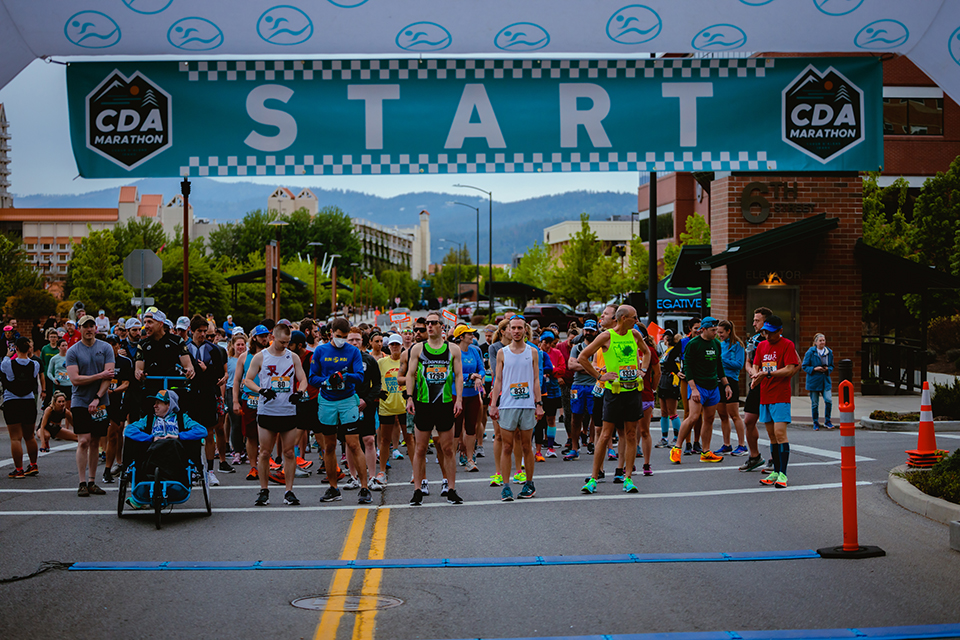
(360,397)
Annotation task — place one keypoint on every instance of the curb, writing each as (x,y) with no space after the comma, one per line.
(912,499)
(882,425)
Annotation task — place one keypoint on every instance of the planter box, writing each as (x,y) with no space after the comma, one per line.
(884,425)
(911,498)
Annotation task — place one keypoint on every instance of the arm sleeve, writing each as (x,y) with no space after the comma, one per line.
(137,431)
(482,370)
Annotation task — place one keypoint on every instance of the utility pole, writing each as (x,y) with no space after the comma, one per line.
(185,192)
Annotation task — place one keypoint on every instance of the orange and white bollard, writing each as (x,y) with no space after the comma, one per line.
(848,477)
(926,454)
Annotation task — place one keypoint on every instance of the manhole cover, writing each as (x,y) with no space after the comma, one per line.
(346,603)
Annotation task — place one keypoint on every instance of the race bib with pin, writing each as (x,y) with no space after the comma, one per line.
(281,384)
(520,390)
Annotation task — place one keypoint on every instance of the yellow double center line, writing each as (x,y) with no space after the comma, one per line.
(364,622)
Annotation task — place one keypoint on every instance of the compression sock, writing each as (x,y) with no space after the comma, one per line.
(209,464)
(675,421)
(664,427)
(551,437)
(775,452)
(784,456)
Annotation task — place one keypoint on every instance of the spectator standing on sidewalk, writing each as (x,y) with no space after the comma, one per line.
(817,364)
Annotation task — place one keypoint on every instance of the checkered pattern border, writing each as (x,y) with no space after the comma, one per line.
(386,164)
(430,69)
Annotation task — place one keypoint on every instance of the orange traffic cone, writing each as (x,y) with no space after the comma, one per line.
(926,454)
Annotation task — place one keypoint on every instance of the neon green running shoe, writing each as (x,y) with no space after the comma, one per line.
(770,479)
(781,482)
(520,477)
(496,480)
(629,487)
(590,487)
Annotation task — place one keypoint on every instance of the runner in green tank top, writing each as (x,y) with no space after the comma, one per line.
(435,374)
(621,397)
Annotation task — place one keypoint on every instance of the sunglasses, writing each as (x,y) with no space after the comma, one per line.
(420,329)
(432,322)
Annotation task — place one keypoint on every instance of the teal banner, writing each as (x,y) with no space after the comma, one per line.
(343,117)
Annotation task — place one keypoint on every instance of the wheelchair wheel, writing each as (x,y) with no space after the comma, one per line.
(122,494)
(206,489)
(157,497)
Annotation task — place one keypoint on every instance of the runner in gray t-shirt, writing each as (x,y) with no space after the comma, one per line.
(90,365)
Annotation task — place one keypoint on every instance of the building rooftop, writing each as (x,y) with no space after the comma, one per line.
(59,215)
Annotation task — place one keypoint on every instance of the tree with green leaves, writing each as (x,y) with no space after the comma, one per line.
(882,228)
(698,232)
(638,267)
(209,292)
(536,266)
(580,257)
(97,275)
(399,284)
(15,272)
(605,279)
(936,221)
(138,233)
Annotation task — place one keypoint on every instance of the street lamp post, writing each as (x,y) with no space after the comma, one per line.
(333,284)
(459,249)
(353,307)
(185,192)
(278,224)
(315,244)
(490,198)
(477,209)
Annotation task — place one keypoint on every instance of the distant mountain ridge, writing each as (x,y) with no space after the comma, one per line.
(517,225)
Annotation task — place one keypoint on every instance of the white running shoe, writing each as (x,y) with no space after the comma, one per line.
(352,483)
(444,487)
(425,487)
(212,479)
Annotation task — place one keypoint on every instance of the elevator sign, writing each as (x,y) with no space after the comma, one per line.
(431,116)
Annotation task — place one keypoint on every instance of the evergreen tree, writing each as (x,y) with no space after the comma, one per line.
(97,274)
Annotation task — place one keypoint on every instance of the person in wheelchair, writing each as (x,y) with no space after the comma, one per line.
(164,440)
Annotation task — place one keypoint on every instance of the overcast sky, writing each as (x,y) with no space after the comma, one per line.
(42,159)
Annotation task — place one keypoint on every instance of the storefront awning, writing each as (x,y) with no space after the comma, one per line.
(687,272)
(885,272)
(751,247)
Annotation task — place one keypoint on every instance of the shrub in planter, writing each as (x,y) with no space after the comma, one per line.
(942,481)
(30,304)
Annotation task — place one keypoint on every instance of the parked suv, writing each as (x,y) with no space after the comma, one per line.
(548,313)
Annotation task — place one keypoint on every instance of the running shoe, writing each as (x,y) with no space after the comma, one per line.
(663,444)
(374,485)
(769,468)
(590,448)
(472,466)
(675,455)
(629,487)
(639,451)
(95,490)
(444,487)
(254,474)
(602,476)
(332,494)
(462,460)
(107,476)
(688,451)
(496,480)
(212,479)
(275,465)
(566,449)
(397,455)
(528,490)
(647,471)
(740,451)
(31,470)
(710,456)
(289,498)
(697,448)
(539,458)
(304,464)
(519,477)
(425,487)
(16,474)
(618,476)
(770,479)
(364,497)
(573,455)
(479,452)
(263,498)
(673,443)
(133,504)
(781,482)
(351,484)
(828,425)
(611,454)
(299,472)
(82,491)
(506,495)
(551,453)
(724,450)
(453,497)
(752,463)
(381,479)
(226,467)
(276,476)
(103,456)
(590,487)
(816,426)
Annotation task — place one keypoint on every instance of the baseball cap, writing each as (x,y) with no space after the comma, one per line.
(284,322)
(394,339)
(237,331)
(590,325)
(229,317)
(534,323)
(167,322)
(156,314)
(297,337)
(183,322)
(85,319)
(668,332)
(101,312)
(259,330)
(773,323)
(165,395)
(708,322)
(133,323)
(64,324)
(462,329)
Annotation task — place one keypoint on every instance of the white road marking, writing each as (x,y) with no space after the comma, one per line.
(443,503)
(8,462)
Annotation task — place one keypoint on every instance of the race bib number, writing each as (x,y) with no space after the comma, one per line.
(436,373)
(768,367)
(520,390)
(574,394)
(62,378)
(281,384)
(253,401)
(392,385)
(113,385)
(628,377)
(100,414)
(598,389)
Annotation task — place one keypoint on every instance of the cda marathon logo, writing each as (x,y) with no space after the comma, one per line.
(128,119)
(822,114)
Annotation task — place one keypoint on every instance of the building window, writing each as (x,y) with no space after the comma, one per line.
(30,247)
(63,247)
(63,268)
(912,111)
(45,247)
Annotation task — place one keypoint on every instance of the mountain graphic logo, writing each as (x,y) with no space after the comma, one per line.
(128,119)
(822,114)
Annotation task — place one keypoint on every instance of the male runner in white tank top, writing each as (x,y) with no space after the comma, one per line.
(271,374)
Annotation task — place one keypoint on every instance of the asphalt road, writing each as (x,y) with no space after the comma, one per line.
(693,508)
